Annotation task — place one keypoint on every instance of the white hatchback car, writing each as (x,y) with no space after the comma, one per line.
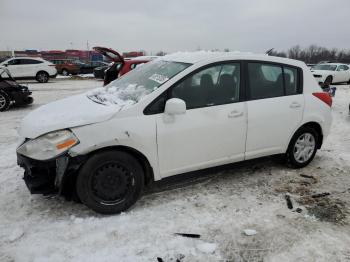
(30,68)
(180,113)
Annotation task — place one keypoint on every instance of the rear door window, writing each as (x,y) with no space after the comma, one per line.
(265,81)
(291,80)
(271,80)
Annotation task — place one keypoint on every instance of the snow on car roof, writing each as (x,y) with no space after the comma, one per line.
(198,56)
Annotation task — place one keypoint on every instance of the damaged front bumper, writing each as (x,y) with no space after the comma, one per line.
(56,176)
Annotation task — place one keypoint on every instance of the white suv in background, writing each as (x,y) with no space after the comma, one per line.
(30,68)
(176,114)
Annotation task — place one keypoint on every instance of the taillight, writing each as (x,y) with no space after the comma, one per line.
(324,97)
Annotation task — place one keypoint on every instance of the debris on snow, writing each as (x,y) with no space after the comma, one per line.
(16,234)
(188,235)
(298,210)
(250,232)
(289,201)
(320,195)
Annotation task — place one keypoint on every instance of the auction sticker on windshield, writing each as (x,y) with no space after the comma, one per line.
(158,78)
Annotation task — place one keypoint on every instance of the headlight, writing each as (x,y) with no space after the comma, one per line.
(49,145)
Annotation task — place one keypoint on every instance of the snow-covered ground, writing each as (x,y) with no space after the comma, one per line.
(220,206)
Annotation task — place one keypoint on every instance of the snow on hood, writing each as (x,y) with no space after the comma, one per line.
(66,113)
(124,97)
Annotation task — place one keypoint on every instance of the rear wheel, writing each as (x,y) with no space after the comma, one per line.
(302,148)
(110,182)
(42,77)
(4,101)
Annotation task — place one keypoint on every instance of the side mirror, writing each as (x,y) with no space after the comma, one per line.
(5,65)
(175,106)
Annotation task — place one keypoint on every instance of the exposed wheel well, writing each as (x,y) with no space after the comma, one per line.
(316,126)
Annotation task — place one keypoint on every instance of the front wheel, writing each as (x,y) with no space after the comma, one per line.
(302,148)
(42,77)
(4,101)
(110,182)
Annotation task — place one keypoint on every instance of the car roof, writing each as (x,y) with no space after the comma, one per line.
(332,64)
(26,57)
(202,56)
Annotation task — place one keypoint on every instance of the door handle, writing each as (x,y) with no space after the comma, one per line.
(235,114)
(295,105)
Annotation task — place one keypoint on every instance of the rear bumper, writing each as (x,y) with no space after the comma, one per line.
(50,177)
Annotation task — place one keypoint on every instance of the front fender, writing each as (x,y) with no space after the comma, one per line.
(138,134)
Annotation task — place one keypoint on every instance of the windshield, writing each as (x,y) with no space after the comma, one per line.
(136,84)
(325,67)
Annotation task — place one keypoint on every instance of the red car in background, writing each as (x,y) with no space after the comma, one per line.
(120,65)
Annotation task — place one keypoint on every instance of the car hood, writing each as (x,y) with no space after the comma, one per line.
(70,112)
(322,72)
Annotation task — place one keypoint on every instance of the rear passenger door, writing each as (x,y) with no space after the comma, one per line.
(275,107)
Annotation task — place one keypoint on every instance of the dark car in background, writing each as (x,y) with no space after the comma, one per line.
(99,72)
(11,93)
(88,67)
(66,67)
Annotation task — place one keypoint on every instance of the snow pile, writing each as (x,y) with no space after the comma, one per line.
(121,96)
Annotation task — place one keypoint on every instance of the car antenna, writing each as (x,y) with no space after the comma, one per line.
(268,52)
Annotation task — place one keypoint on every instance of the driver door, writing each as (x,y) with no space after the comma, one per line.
(213,129)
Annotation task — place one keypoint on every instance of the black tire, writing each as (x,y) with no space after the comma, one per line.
(5,101)
(348,82)
(110,182)
(328,81)
(65,72)
(42,77)
(291,155)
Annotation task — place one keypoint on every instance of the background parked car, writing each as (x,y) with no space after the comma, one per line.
(88,67)
(120,65)
(99,72)
(330,73)
(66,67)
(11,93)
(30,68)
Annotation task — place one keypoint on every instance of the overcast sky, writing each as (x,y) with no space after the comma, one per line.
(177,25)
